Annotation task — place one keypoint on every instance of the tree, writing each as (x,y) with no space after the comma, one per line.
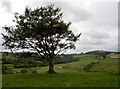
(41,30)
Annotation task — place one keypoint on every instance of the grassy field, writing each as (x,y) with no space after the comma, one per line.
(84,56)
(108,65)
(114,56)
(61,80)
(103,74)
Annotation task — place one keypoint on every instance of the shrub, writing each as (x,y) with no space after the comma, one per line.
(114,72)
(28,70)
(34,71)
(7,70)
(89,66)
(23,71)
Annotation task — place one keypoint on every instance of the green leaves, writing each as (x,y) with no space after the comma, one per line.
(41,29)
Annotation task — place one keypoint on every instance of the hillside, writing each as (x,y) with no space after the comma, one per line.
(101,73)
(114,56)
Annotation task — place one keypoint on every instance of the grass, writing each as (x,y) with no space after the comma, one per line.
(114,56)
(71,75)
(60,80)
(84,56)
(108,65)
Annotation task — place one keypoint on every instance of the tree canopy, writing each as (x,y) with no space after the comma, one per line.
(41,30)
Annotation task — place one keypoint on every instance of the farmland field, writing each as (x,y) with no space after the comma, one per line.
(61,80)
(102,74)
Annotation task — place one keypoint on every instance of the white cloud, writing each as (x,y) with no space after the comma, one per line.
(96,19)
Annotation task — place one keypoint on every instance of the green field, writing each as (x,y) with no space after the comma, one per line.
(102,74)
(61,80)
(114,56)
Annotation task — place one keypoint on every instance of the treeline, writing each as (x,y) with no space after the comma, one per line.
(101,52)
(30,59)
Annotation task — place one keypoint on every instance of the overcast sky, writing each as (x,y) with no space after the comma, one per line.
(97,20)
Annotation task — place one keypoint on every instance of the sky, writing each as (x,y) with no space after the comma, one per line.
(97,20)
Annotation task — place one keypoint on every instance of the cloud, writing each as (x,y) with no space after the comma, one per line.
(70,12)
(98,21)
(105,14)
(119,15)
(6,4)
(101,30)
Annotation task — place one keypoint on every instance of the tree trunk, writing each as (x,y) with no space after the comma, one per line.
(51,67)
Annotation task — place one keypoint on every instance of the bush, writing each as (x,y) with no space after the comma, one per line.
(23,71)
(114,72)
(7,70)
(28,70)
(34,71)
(89,66)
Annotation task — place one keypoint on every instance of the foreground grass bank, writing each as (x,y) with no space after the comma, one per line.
(61,80)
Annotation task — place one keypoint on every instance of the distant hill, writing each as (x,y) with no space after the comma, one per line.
(101,52)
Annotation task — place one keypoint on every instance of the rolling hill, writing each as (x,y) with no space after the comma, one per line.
(103,73)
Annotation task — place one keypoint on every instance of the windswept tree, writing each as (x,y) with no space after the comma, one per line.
(41,30)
